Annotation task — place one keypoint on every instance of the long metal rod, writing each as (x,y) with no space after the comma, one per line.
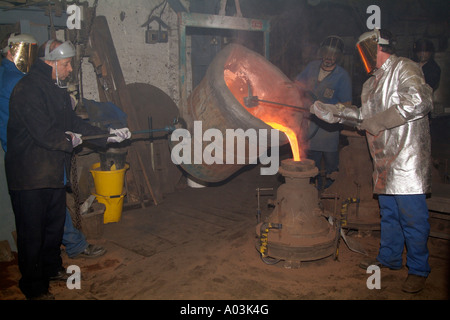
(255,98)
(107,135)
(282,104)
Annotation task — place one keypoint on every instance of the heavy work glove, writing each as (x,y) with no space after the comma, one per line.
(75,138)
(120,135)
(387,119)
(327,112)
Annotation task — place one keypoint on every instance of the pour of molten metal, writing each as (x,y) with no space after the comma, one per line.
(291,136)
(237,80)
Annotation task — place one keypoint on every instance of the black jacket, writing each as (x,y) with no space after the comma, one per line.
(432,73)
(39,115)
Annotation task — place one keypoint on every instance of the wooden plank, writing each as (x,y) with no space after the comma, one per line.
(201,20)
(439,204)
(112,88)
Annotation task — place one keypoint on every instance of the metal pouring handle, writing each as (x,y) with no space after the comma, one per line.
(107,135)
(307,109)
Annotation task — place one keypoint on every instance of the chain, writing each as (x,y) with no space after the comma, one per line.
(75,190)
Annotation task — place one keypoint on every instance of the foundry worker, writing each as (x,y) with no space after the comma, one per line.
(424,55)
(329,83)
(395,104)
(42,132)
(19,53)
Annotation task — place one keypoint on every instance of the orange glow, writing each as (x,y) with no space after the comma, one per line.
(281,119)
(248,75)
(364,60)
(291,136)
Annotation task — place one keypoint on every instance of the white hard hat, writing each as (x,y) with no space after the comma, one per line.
(375,35)
(19,38)
(64,50)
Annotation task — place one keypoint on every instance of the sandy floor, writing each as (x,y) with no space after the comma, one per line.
(199,244)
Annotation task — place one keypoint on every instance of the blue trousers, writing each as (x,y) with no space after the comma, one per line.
(404,221)
(73,239)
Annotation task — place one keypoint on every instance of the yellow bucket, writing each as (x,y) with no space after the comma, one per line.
(108,183)
(113,210)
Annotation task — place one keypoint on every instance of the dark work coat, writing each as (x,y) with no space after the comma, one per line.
(432,73)
(38,148)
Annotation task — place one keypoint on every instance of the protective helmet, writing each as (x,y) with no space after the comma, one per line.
(63,51)
(332,47)
(23,48)
(367,48)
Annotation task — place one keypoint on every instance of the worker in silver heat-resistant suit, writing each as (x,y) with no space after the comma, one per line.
(395,104)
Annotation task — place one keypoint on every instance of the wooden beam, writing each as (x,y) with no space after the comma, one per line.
(112,88)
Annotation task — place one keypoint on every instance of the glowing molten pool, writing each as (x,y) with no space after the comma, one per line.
(266,82)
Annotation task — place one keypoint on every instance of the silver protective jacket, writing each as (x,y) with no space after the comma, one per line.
(402,154)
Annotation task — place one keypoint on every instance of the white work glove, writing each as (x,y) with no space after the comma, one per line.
(327,112)
(75,138)
(121,135)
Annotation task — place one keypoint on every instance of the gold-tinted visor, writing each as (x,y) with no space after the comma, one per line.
(24,55)
(367,50)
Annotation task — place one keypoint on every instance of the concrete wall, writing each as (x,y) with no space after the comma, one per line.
(155,64)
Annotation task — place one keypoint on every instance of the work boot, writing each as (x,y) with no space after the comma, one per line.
(373,262)
(414,283)
(61,275)
(91,251)
(44,296)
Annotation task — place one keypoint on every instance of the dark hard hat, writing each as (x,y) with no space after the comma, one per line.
(333,42)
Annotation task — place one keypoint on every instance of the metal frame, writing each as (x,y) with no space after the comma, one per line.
(200,20)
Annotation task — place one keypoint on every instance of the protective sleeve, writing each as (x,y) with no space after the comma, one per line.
(387,119)
(414,95)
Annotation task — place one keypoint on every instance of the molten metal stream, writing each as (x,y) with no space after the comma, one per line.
(291,136)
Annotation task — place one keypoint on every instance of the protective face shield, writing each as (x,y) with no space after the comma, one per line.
(23,48)
(63,51)
(331,50)
(367,48)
